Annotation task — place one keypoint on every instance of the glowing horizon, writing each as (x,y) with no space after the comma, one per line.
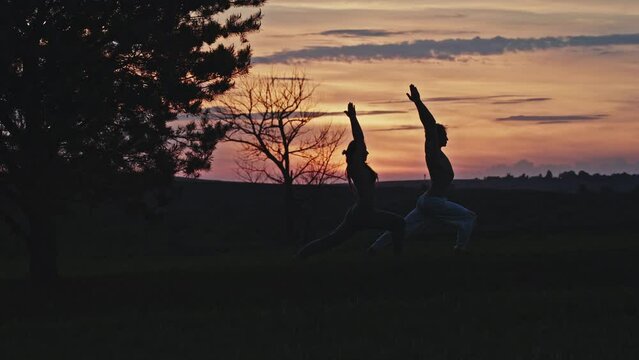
(561,107)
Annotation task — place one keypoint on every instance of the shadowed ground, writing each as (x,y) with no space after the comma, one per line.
(565,296)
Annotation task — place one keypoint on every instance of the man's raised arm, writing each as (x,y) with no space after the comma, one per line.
(427,119)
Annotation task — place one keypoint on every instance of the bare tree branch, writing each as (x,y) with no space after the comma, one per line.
(271,117)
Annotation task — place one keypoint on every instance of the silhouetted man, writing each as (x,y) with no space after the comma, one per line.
(433,203)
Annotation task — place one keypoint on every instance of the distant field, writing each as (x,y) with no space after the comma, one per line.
(564,296)
(208,276)
(206,218)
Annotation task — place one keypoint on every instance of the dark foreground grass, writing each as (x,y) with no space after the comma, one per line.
(566,297)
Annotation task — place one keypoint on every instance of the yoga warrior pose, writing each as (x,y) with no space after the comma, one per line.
(363,214)
(433,204)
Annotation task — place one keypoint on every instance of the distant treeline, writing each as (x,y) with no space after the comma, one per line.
(567,181)
(567,175)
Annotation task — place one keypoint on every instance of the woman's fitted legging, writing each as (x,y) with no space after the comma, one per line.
(359,218)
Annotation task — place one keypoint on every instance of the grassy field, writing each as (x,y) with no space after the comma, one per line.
(564,296)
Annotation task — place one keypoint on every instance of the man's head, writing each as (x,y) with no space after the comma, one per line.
(441,135)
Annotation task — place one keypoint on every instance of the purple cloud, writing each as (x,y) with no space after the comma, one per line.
(399,128)
(552,119)
(449,49)
(385,33)
(520,101)
(508,99)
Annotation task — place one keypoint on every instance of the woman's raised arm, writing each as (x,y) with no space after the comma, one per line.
(358,134)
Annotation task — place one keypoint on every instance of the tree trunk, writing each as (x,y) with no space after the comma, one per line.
(41,243)
(289,212)
(37,175)
(310,213)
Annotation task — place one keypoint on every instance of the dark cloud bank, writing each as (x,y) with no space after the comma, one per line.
(384,33)
(448,49)
(552,119)
(399,128)
(520,101)
(372,112)
(492,99)
(361,32)
(378,33)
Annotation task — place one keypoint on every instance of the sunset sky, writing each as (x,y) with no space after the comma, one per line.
(544,86)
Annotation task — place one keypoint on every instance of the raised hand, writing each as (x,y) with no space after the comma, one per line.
(414,94)
(351,110)
(358,134)
(425,116)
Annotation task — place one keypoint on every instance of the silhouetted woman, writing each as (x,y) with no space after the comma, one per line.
(433,204)
(362,215)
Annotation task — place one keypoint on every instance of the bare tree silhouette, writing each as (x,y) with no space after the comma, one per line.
(271,118)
